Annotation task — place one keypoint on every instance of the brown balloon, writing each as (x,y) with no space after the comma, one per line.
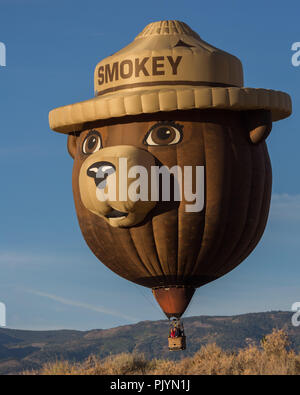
(172,248)
(168,101)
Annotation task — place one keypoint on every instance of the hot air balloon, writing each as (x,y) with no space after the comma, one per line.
(171,100)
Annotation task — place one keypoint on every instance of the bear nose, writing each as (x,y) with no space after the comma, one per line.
(99,171)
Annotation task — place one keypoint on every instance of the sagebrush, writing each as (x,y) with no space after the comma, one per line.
(272,356)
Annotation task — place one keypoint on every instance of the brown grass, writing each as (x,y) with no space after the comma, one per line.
(273,356)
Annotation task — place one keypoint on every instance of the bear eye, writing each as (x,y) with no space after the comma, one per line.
(92,142)
(164,133)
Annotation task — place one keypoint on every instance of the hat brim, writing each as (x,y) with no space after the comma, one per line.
(73,117)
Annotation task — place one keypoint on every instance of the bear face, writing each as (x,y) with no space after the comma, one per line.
(100,152)
(163,242)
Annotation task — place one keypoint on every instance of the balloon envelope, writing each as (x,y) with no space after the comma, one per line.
(173,248)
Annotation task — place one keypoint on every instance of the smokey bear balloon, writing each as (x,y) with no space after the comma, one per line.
(171,101)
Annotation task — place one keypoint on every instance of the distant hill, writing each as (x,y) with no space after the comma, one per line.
(22,350)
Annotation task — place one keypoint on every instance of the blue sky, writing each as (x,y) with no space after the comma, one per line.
(48,276)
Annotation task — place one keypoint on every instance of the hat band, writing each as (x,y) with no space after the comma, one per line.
(159,83)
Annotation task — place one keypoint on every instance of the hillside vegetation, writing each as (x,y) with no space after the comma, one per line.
(272,356)
(24,350)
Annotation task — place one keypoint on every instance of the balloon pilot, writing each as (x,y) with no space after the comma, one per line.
(176,339)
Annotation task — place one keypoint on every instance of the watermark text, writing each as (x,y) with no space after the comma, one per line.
(2,314)
(296,56)
(2,54)
(296,315)
(153,185)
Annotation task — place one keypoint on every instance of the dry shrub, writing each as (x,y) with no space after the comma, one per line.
(273,356)
(124,363)
(211,359)
(57,368)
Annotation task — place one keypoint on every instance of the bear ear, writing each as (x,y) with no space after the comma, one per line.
(259,125)
(71,144)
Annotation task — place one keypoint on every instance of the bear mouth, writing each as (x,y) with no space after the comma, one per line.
(116,214)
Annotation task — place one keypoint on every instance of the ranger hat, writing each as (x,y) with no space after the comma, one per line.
(167,67)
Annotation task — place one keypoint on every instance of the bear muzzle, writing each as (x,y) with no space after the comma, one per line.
(111,186)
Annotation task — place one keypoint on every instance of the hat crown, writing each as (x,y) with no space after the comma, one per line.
(167,28)
(167,53)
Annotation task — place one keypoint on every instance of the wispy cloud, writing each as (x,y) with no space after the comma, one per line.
(285,207)
(13,258)
(81,305)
